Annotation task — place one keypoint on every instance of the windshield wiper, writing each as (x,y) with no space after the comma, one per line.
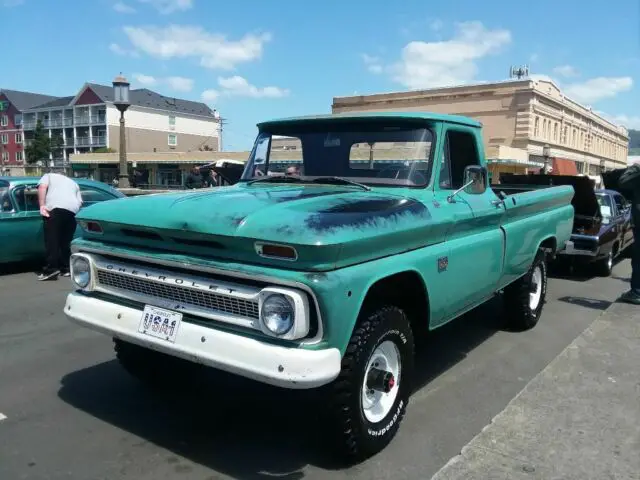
(340,180)
(274,178)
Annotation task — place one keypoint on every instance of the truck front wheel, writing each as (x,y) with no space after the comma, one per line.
(525,297)
(370,396)
(147,366)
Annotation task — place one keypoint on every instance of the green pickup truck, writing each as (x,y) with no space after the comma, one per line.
(320,275)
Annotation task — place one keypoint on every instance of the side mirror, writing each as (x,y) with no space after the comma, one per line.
(475,179)
(474,182)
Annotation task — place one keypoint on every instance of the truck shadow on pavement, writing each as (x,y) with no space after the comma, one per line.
(240,428)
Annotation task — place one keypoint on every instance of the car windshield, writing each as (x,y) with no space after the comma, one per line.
(604,201)
(364,154)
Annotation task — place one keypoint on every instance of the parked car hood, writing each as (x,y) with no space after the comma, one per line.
(321,222)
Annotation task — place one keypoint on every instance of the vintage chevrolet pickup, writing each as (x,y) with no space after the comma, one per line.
(347,237)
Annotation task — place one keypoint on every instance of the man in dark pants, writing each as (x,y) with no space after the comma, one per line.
(60,200)
(629,184)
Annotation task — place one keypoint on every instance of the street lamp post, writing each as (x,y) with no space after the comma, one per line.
(546,153)
(121,101)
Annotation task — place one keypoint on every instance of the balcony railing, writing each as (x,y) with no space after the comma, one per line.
(99,141)
(66,122)
(83,141)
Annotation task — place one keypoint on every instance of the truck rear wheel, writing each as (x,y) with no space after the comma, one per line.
(369,398)
(525,297)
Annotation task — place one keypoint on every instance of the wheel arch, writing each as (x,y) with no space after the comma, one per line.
(405,289)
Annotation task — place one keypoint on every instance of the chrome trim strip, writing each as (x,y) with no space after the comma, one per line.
(216,271)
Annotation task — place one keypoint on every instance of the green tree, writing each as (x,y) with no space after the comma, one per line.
(40,146)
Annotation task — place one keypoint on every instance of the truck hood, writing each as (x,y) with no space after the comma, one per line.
(321,222)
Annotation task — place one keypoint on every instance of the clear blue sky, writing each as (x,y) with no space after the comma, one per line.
(254,60)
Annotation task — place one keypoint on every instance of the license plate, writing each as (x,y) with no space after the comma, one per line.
(160,323)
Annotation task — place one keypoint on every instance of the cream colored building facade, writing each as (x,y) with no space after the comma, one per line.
(519,118)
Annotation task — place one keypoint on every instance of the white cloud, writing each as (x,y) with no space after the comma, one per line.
(374,64)
(566,71)
(119,50)
(145,80)
(122,7)
(12,3)
(237,86)
(599,88)
(166,7)
(179,84)
(212,49)
(534,57)
(451,62)
(210,95)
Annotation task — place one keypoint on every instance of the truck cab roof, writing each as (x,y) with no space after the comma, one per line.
(375,116)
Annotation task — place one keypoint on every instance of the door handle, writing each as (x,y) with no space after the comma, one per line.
(497,203)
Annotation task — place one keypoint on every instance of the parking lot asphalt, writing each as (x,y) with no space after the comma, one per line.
(68,410)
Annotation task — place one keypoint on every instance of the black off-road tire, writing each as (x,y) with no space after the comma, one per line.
(519,314)
(353,436)
(146,365)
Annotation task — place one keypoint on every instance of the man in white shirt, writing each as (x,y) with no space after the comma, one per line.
(60,199)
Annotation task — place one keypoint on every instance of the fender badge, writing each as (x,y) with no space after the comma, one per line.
(443,263)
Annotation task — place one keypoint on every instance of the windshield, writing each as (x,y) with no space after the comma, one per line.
(604,201)
(372,154)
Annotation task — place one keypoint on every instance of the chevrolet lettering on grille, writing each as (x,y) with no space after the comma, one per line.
(192,294)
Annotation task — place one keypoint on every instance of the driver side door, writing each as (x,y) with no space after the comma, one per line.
(476,241)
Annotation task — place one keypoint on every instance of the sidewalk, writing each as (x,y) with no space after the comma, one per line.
(578,419)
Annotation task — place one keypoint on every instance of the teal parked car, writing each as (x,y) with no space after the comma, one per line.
(320,274)
(21,226)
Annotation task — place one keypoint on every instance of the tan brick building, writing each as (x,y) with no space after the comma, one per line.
(519,118)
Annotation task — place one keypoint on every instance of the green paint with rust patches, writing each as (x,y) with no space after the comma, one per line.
(347,239)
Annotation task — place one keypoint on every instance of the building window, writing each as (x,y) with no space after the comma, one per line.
(173,140)
(18,138)
(544,128)
(5,156)
(4,138)
(536,126)
(19,156)
(17,120)
(172,120)
(555,132)
(565,135)
(4,121)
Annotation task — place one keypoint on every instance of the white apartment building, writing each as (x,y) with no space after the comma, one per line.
(89,122)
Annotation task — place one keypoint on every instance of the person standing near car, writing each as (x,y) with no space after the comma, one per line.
(60,200)
(629,185)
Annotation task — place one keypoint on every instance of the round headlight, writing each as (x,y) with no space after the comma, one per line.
(277,314)
(81,271)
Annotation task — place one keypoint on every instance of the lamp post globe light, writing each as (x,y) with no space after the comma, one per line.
(121,102)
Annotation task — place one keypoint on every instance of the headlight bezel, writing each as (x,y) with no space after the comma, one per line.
(78,257)
(300,304)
